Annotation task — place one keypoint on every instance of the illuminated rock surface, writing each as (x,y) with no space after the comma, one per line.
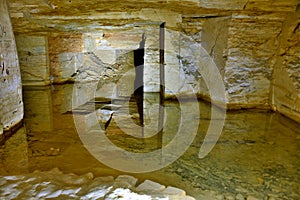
(56,185)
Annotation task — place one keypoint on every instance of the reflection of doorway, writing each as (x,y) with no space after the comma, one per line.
(150,78)
(139,78)
(161,115)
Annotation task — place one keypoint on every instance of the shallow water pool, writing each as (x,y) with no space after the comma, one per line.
(256,156)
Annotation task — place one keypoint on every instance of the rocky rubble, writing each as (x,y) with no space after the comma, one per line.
(55,184)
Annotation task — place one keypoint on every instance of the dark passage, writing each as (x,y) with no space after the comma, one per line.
(139,78)
(162,82)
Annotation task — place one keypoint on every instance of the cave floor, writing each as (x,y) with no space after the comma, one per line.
(257,155)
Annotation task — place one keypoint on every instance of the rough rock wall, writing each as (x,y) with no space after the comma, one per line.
(215,39)
(11,104)
(256,53)
(34,60)
(192,26)
(285,91)
(87,56)
(254,5)
(192,31)
(65,51)
(252,42)
(202,37)
(243,37)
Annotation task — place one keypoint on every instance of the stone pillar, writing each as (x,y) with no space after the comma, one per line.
(11,104)
(152,80)
(173,79)
(151,60)
(34,62)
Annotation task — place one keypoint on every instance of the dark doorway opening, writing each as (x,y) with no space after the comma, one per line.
(139,81)
(139,78)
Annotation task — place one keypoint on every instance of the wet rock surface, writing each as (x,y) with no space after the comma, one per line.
(55,184)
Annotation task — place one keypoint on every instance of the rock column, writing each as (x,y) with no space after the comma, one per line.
(11,104)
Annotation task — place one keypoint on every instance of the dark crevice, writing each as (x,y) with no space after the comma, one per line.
(162,83)
(245,6)
(139,78)
(296,28)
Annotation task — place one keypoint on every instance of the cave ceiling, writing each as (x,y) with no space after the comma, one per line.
(43,16)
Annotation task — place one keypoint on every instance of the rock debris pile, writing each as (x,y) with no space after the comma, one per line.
(55,184)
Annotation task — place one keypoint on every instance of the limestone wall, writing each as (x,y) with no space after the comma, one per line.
(285,91)
(11,104)
(34,60)
(258,56)
(252,42)
(102,57)
(65,54)
(254,5)
(151,59)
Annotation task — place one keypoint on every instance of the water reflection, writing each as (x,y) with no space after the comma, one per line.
(257,153)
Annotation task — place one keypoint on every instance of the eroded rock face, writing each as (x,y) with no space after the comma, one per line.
(62,12)
(252,42)
(286,76)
